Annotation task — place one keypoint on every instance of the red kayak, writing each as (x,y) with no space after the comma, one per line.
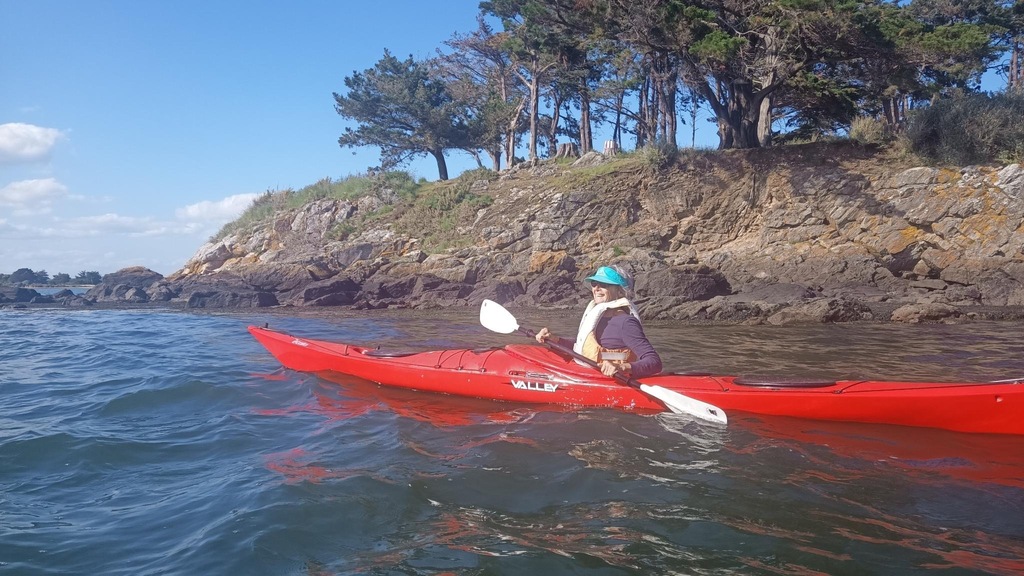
(534,374)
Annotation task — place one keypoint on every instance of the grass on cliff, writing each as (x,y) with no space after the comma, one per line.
(441,210)
(430,211)
(389,186)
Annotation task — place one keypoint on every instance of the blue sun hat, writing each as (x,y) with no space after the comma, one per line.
(608,275)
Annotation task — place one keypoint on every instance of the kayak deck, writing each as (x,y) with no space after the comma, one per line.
(535,374)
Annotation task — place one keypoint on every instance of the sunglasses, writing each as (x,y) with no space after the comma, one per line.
(602,285)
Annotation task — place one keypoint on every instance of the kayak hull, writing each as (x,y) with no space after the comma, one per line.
(534,374)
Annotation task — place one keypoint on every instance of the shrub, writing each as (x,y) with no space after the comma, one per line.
(478,174)
(970,129)
(439,210)
(658,155)
(869,130)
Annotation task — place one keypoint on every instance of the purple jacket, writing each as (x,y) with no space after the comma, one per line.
(624,331)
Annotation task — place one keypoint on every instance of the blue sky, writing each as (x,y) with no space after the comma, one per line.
(131,131)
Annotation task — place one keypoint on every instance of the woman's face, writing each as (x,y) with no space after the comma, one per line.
(605,292)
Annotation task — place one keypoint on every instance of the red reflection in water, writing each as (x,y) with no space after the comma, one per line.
(585,532)
(972,549)
(843,454)
(989,458)
(295,466)
(438,409)
(356,397)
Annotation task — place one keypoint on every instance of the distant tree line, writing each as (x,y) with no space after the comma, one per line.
(766,70)
(28,277)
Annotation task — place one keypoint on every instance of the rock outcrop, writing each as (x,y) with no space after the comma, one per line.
(18,297)
(815,233)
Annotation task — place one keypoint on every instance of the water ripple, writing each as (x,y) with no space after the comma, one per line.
(148,442)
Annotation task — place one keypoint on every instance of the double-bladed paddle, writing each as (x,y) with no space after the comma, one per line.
(496,318)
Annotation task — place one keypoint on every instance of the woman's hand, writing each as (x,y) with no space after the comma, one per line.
(544,335)
(610,368)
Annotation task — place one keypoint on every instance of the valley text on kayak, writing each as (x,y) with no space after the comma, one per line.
(538,386)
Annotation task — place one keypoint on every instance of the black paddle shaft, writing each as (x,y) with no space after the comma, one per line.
(570,352)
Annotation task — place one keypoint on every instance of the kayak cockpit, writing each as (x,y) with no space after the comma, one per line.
(763,382)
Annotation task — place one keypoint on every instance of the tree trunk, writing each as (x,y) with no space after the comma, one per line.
(667,106)
(889,111)
(764,123)
(495,156)
(617,131)
(510,136)
(556,116)
(644,104)
(694,108)
(442,166)
(1015,78)
(742,119)
(586,135)
(567,150)
(773,60)
(534,105)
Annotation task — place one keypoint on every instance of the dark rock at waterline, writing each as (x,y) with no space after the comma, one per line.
(226,299)
(128,285)
(23,298)
(75,301)
(15,294)
(684,284)
(331,292)
(822,310)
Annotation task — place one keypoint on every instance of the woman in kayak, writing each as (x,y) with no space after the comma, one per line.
(610,332)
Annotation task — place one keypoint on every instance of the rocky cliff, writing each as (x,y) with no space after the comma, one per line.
(817,233)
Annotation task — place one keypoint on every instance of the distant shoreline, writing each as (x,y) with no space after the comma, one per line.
(972,314)
(51,286)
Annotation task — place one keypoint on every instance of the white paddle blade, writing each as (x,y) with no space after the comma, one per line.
(495,318)
(681,404)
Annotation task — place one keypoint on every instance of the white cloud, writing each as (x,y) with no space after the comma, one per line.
(220,211)
(26,143)
(32,196)
(105,241)
(111,224)
(99,226)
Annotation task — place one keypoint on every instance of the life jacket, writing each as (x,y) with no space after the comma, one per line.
(586,341)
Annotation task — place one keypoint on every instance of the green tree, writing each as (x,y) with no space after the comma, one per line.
(1011,16)
(917,52)
(60,279)
(479,74)
(570,35)
(958,41)
(23,276)
(532,48)
(88,278)
(401,108)
(622,75)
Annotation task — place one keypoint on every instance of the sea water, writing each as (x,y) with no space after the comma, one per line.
(153,441)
